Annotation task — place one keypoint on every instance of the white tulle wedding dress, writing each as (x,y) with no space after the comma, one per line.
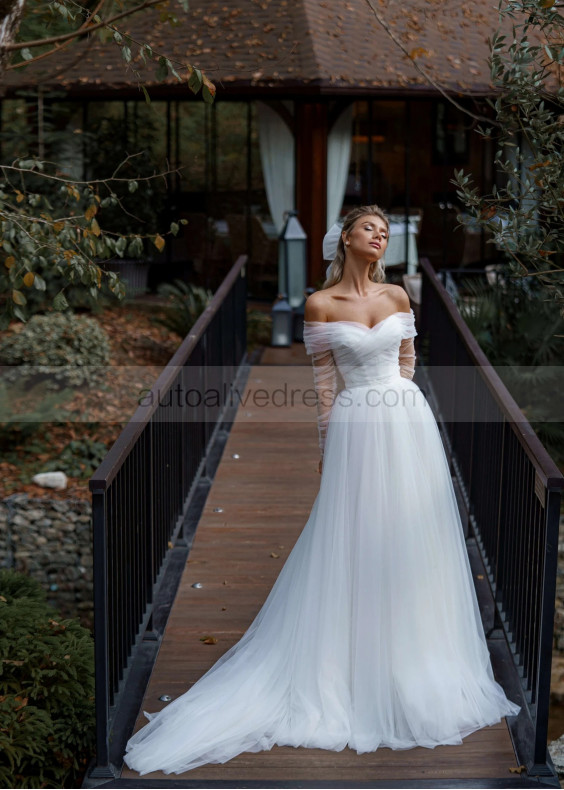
(371,636)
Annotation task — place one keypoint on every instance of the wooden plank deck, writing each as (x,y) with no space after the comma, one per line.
(266,495)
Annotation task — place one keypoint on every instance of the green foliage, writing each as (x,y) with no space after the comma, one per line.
(46,690)
(50,221)
(525,211)
(186,303)
(80,458)
(522,334)
(39,234)
(65,348)
(62,18)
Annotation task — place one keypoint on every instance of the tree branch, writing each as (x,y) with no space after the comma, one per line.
(23,171)
(83,30)
(384,25)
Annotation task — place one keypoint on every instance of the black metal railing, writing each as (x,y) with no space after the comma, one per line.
(511,488)
(141,491)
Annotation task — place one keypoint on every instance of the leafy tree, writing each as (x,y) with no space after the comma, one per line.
(525,211)
(50,221)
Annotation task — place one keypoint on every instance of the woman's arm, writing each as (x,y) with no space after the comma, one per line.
(324,373)
(407,358)
(407,347)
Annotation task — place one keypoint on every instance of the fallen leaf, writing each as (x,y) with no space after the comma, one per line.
(518,770)
(209,640)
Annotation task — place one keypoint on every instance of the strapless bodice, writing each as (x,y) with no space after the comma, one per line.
(363,355)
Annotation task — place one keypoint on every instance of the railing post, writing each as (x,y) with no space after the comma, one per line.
(539,766)
(102,768)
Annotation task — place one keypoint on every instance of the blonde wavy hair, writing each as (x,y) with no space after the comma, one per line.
(376,272)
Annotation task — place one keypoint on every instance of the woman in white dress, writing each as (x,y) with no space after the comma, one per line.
(371,635)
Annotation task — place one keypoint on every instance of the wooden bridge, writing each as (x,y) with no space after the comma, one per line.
(249,498)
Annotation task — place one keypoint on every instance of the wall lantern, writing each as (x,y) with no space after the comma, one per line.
(282,322)
(292,260)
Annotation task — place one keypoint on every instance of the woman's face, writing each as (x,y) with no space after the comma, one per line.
(368,238)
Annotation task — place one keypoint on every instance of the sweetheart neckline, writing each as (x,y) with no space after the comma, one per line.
(359,323)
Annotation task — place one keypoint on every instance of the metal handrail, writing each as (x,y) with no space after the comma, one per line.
(141,492)
(511,488)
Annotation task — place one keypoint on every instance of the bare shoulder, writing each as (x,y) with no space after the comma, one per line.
(400,298)
(316,306)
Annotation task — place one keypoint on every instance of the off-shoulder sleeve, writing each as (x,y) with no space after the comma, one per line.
(407,346)
(407,321)
(317,341)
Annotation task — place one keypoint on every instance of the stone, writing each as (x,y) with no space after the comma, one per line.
(34,514)
(17,499)
(57,480)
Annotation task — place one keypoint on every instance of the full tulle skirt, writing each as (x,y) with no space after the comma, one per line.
(371,635)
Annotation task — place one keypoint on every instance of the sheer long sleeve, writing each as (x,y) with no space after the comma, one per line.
(407,358)
(325,383)
(318,342)
(407,345)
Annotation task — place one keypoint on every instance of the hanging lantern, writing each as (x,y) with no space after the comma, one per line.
(292,260)
(282,322)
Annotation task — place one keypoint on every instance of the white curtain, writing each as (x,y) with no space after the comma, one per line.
(278,162)
(338,157)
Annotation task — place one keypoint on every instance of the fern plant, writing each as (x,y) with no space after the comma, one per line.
(186,303)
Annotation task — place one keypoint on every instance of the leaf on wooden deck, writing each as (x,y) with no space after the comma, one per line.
(209,640)
(518,770)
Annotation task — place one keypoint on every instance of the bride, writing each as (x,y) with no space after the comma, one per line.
(371,635)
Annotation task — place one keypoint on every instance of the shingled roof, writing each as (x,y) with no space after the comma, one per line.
(323,46)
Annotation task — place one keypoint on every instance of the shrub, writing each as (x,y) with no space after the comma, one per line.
(46,689)
(80,458)
(522,334)
(60,346)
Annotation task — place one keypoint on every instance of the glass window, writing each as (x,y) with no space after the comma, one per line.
(377,170)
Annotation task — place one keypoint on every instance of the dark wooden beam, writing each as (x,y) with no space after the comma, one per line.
(311,180)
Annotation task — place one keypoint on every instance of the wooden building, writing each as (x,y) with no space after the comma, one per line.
(321,105)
